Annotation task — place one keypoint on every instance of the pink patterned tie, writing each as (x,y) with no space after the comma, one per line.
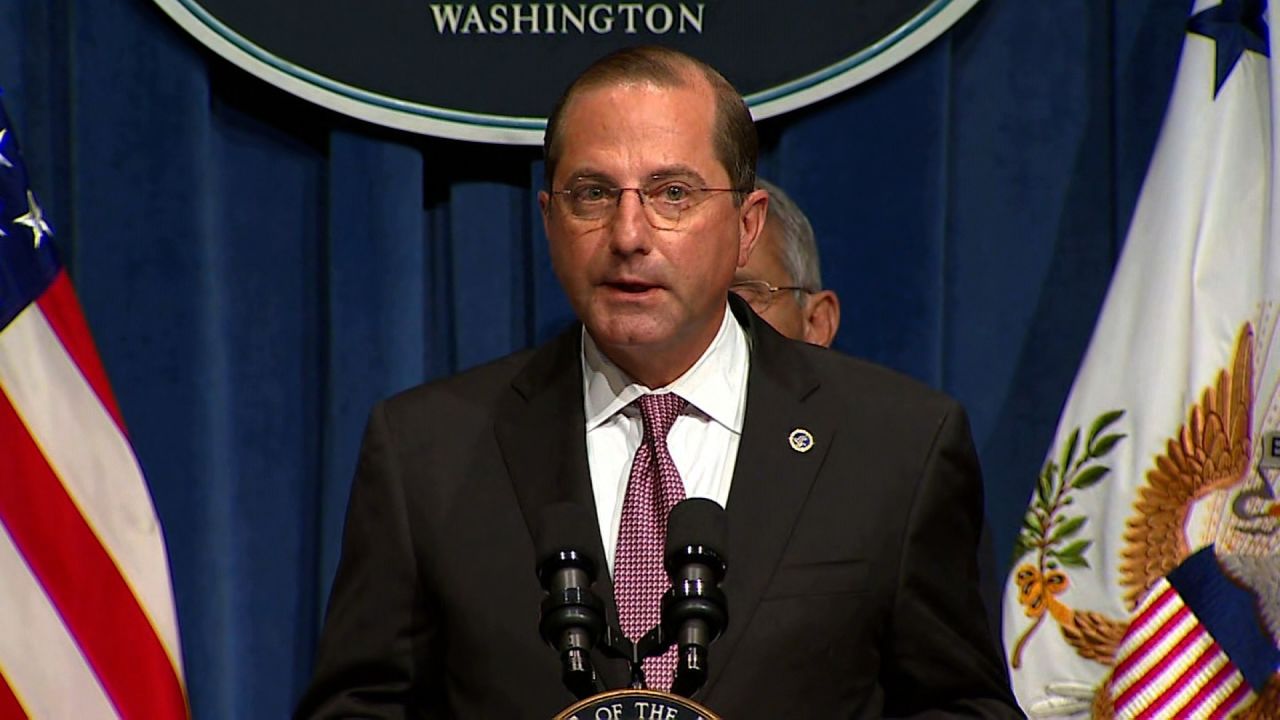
(653,488)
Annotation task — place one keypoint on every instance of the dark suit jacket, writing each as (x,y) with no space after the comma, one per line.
(852,577)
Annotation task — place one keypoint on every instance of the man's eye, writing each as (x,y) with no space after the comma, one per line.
(590,193)
(674,193)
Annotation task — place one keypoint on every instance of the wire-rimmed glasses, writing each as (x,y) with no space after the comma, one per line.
(760,294)
(666,202)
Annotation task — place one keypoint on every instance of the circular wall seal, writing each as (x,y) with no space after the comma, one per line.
(490,71)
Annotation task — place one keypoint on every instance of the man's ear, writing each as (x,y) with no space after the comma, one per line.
(753,212)
(544,204)
(821,318)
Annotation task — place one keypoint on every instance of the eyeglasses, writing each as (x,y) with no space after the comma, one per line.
(759,294)
(666,203)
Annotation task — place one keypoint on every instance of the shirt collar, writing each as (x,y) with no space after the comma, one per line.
(715,384)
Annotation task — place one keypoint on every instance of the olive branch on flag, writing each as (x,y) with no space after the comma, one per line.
(1047,528)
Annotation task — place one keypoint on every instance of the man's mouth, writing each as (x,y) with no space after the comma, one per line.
(631,286)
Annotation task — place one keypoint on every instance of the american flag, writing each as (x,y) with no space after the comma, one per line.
(87,621)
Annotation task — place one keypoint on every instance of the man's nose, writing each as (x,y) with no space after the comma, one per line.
(629,228)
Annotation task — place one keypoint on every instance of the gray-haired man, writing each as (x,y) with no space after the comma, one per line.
(782,281)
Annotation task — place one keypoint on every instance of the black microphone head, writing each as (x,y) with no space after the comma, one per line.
(566,537)
(698,522)
(695,608)
(572,617)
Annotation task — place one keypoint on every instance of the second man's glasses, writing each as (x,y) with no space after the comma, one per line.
(760,294)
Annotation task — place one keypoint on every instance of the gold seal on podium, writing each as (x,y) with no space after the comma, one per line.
(636,705)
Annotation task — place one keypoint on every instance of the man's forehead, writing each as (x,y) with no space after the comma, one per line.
(642,127)
(681,78)
(694,94)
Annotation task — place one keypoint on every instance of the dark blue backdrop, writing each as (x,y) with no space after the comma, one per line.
(257,271)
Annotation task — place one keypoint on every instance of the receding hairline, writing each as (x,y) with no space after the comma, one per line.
(663,68)
(674,72)
(666,68)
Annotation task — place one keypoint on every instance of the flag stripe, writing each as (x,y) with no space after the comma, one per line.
(1205,698)
(1142,629)
(61,310)
(66,556)
(10,708)
(1183,681)
(1167,657)
(41,661)
(1137,665)
(1233,701)
(94,462)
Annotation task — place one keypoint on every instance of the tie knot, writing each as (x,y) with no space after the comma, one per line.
(659,412)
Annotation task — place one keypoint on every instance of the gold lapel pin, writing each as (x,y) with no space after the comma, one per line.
(801,440)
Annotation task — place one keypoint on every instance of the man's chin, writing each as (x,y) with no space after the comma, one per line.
(630,331)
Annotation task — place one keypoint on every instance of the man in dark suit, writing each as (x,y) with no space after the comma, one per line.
(853,494)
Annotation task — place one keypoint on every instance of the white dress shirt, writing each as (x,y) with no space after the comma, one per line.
(703,441)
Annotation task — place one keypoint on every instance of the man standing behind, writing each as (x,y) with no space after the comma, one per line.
(782,281)
(853,494)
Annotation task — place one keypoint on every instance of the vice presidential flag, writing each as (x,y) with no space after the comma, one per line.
(87,623)
(1163,445)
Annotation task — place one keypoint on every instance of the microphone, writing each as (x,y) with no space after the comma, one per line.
(572,616)
(694,610)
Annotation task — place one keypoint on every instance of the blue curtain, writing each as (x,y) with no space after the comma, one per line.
(258,271)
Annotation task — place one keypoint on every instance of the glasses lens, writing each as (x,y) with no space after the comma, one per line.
(590,201)
(670,200)
(662,218)
(755,292)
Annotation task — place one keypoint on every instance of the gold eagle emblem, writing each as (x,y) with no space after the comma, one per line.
(1210,452)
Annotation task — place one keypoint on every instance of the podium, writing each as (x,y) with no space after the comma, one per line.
(636,705)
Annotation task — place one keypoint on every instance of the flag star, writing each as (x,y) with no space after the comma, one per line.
(1234,26)
(4,161)
(34,219)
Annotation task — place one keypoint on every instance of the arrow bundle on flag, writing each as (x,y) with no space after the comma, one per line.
(1162,445)
(87,623)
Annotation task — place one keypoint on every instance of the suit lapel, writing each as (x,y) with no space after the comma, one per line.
(540,430)
(771,477)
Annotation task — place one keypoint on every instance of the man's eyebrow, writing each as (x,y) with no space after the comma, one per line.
(666,172)
(671,172)
(591,175)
